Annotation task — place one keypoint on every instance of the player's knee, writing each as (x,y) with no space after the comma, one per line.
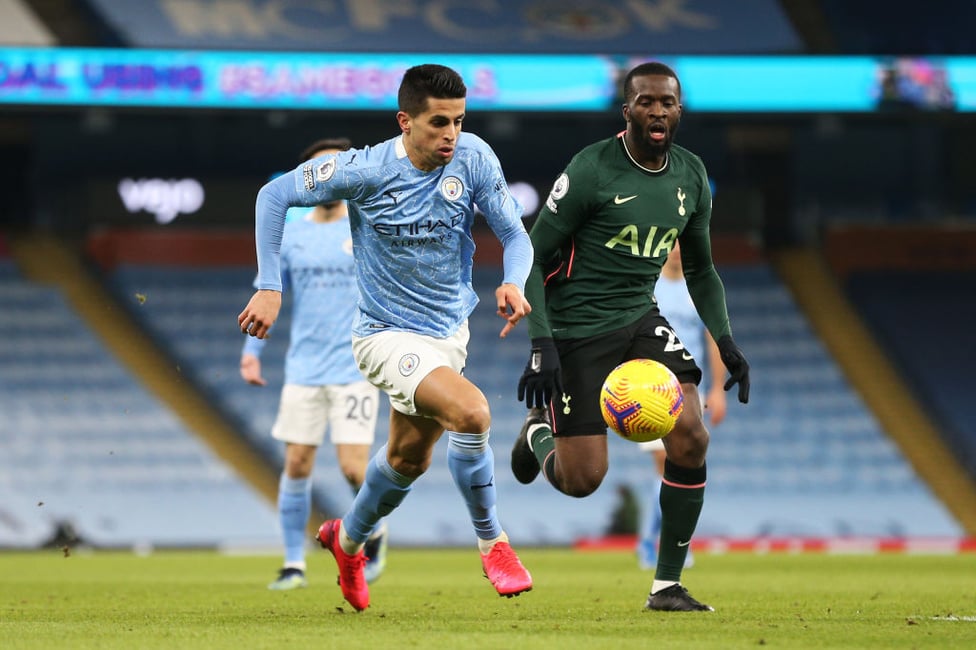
(581,481)
(473,417)
(297,468)
(687,445)
(580,486)
(299,461)
(409,468)
(354,474)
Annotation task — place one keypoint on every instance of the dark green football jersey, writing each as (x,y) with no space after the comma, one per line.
(604,233)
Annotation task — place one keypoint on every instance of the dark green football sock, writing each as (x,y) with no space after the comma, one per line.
(682,496)
(542,446)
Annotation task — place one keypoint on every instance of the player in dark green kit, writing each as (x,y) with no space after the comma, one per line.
(606,229)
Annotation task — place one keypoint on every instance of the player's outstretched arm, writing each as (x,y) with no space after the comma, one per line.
(260,313)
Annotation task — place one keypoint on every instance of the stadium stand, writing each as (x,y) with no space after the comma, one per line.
(88,449)
(788,26)
(208,347)
(932,349)
(804,458)
(904,391)
(498,27)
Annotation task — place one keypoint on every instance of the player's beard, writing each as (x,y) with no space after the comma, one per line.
(661,148)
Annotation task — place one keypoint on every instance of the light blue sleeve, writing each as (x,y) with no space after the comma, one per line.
(517,259)
(317,181)
(504,215)
(272,205)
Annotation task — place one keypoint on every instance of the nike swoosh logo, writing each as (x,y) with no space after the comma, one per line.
(618,201)
(684,543)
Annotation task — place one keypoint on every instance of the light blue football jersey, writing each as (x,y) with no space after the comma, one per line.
(317,268)
(411,230)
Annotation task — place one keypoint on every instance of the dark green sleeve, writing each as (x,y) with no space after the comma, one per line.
(546,243)
(566,208)
(704,284)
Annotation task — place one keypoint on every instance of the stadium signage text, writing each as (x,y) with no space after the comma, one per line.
(582,83)
(164,198)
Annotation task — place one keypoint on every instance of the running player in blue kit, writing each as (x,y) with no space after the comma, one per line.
(411,206)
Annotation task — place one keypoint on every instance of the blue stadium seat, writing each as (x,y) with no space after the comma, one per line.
(938,370)
(208,349)
(84,445)
(803,457)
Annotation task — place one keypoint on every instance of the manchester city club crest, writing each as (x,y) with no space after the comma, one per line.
(452,188)
(408,363)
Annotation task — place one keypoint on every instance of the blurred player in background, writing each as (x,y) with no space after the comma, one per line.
(412,203)
(677,307)
(323,386)
(611,219)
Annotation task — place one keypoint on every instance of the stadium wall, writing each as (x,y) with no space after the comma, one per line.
(109,247)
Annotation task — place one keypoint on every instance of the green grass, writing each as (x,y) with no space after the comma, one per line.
(439,599)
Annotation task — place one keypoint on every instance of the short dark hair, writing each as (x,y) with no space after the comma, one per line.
(645,69)
(342,144)
(422,82)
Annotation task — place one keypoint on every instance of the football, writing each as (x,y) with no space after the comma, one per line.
(641,400)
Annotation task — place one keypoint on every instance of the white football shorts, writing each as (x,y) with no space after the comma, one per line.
(652,445)
(347,411)
(396,362)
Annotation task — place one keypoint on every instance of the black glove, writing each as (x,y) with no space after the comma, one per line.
(541,379)
(738,367)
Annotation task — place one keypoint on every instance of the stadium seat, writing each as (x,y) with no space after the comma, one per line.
(804,456)
(85,447)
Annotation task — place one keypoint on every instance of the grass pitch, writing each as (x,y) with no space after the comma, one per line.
(439,599)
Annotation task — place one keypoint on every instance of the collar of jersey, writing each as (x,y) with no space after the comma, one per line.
(667,159)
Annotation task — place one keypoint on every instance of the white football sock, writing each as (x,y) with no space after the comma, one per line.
(485,545)
(658,585)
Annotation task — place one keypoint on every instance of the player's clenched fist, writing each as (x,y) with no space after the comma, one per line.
(261,313)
